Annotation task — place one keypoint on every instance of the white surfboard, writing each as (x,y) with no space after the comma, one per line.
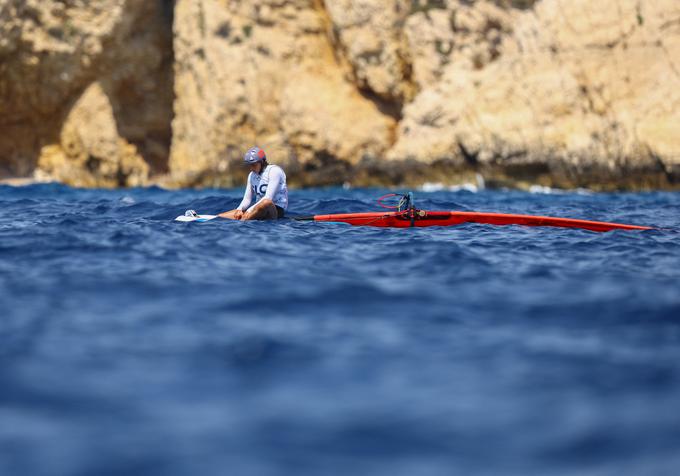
(191,215)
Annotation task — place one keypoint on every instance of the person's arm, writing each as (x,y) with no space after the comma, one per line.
(247,197)
(238,212)
(275,180)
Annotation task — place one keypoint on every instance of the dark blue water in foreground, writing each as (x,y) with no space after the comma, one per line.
(132,344)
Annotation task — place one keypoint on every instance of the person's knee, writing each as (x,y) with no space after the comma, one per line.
(264,210)
(263,204)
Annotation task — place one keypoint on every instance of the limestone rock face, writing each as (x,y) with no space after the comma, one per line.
(263,73)
(561,93)
(368,35)
(52,51)
(90,150)
(312,82)
(47,52)
(465,34)
(583,91)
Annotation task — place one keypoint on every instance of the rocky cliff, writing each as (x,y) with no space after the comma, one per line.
(86,90)
(580,94)
(132,92)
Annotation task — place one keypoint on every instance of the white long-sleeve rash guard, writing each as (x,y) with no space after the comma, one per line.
(271,184)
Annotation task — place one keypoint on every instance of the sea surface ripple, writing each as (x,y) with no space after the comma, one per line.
(134,344)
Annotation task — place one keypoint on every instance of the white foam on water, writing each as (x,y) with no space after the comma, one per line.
(481,183)
(438,187)
(541,189)
(467,187)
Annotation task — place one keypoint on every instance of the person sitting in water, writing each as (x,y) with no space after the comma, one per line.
(266,187)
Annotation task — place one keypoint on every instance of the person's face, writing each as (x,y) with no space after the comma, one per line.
(256,167)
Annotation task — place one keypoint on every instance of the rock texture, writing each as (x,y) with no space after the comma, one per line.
(90,151)
(581,94)
(264,73)
(51,53)
(130,92)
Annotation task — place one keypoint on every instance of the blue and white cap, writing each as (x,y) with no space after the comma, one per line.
(254,155)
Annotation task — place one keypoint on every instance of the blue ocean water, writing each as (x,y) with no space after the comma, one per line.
(133,344)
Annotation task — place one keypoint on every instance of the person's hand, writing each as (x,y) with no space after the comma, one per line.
(238,214)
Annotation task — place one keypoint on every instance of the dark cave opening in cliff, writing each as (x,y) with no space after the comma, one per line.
(144,103)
